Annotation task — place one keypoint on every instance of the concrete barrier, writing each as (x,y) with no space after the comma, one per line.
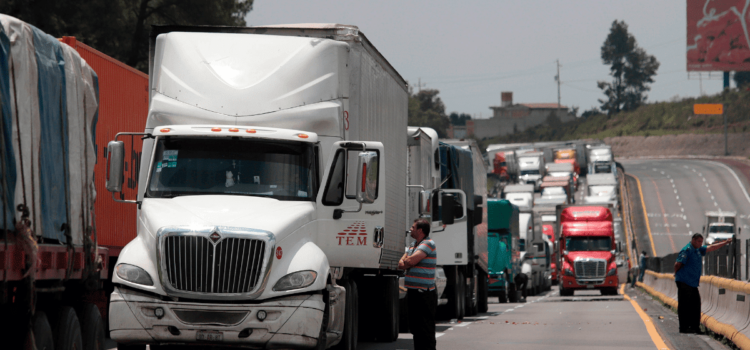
(725,306)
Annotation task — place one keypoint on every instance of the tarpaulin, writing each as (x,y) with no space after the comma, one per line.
(53,108)
(7,163)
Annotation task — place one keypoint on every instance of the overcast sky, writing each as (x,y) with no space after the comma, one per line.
(473,50)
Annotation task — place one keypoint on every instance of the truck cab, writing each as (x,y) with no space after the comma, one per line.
(531,168)
(503,249)
(587,249)
(720,226)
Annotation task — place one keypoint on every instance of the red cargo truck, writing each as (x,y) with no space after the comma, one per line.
(59,239)
(587,249)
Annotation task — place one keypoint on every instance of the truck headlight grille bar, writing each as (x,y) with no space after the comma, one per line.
(214,262)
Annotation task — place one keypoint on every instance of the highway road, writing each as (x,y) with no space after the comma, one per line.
(678,192)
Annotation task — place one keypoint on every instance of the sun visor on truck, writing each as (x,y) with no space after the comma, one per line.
(588,228)
(586,214)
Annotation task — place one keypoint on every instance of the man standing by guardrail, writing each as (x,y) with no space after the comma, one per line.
(687,275)
(421,297)
(641,269)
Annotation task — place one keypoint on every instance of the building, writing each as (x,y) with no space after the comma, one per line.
(509,118)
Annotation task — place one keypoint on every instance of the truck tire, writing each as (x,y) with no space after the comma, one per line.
(512,293)
(461,296)
(482,292)
(393,305)
(67,330)
(43,338)
(349,336)
(471,306)
(565,292)
(379,311)
(92,327)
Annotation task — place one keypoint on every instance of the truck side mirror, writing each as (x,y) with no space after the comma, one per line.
(115,159)
(425,206)
(367,173)
(447,208)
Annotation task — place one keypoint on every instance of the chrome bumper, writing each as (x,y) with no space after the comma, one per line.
(291,322)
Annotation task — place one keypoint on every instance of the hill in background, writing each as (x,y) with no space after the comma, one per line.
(653,119)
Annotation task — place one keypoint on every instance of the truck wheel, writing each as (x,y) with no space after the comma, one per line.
(92,327)
(42,332)
(393,308)
(461,296)
(379,311)
(482,292)
(512,293)
(471,298)
(566,292)
(67,330)
(349,337)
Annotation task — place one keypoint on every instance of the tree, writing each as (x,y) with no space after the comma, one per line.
(631,68)
(427,109)
(120,28)
(459,119)
(742,79)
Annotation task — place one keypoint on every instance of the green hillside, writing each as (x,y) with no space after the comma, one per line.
(652,119)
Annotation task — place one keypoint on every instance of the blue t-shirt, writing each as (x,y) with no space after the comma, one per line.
(692,265)
(422,275)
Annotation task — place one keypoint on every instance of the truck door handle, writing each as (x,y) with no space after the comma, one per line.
(377,240)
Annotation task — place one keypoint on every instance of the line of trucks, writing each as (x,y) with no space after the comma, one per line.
(254,189)
(537,179)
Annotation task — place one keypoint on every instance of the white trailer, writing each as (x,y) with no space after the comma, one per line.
(720,226)
(271,194)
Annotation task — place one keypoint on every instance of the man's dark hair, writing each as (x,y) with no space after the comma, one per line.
(424,225)
(644,252)
(696,235)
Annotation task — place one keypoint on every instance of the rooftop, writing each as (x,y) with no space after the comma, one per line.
(535,106)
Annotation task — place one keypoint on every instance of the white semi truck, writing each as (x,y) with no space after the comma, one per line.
(466,260)
(600,159)
(720,226)
(531,167)
(272,193)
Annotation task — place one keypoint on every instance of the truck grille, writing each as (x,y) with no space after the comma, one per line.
(594,268)
(195,264)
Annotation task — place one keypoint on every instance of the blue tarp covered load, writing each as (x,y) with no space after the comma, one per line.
(456,170)
(48,101)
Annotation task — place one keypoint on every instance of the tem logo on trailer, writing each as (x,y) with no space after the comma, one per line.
(355,234)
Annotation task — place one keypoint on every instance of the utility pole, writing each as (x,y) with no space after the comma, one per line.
(419,85)
(557,78)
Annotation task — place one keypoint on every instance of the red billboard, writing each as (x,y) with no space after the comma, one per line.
(717,35)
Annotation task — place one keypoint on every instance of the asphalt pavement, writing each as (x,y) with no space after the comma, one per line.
(678,192)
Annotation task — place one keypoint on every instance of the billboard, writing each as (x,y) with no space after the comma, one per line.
(717,35)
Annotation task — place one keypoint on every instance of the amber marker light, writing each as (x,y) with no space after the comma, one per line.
(165,130)
(234,130)
(302,136)
(215,129)
(251,131)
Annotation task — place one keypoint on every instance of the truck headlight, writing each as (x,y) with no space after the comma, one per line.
(295,280)
(134,274)
(612,272)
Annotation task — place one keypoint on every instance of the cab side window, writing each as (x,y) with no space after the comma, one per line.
(334,194)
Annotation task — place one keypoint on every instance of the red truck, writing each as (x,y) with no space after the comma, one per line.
(587,249)
(549,231)
(60,239)
(500,167)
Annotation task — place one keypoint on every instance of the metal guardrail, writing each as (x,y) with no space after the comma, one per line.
(724,262)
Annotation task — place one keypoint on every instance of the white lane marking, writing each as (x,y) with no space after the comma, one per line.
(699,174)
(509,310)
(662,173)
(688,225)
(438,335)
(675,191)
(670,180)
(482,318)
(685,166)
(716,204)
(736,178)
(693,169)
(654,169)
(463,324)
(712,198)
(678,197)
(679,203)
(704,179)
(709,190)
(706,184)
(682,209)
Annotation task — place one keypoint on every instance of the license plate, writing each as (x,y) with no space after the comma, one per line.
(209,336)
(590,286)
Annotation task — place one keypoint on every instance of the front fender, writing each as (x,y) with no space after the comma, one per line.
(139,253)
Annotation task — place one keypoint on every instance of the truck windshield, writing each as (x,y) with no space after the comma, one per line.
(529,172)
(588,244)
(721,229)
(207,165)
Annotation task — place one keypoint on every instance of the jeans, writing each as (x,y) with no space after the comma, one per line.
(422,306)
(688,307)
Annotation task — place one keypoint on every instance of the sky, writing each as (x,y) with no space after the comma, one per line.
(473,50)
